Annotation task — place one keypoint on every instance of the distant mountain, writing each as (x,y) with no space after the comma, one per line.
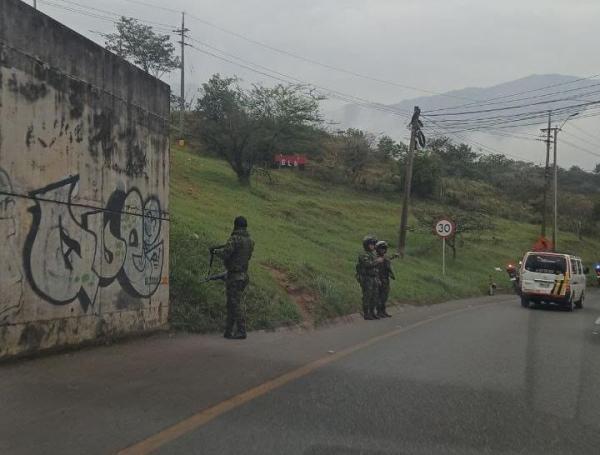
(380,122)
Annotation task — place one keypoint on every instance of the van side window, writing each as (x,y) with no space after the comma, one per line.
(574,269)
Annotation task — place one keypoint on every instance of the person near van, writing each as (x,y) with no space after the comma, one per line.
(367,274)
(385,273)
(236,254)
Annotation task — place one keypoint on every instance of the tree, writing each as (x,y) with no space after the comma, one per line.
(427,173)
(141,45)
(388,148)
(357,152)
(246,127)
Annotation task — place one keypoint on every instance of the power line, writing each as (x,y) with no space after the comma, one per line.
(580,139)
(282,77)
(581,148)
(286,78)
(270,72)
(470,140)
(147,21)
(154,6)
(514,123)
(511,95)
(520,106)
(105,16)
(527,98)
(581,130)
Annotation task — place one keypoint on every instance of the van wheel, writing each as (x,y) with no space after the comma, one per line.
(579,303)
(524,302)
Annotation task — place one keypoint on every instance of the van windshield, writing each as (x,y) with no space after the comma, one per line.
(541,263)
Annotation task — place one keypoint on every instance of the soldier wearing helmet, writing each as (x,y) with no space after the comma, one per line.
(385,272)
(368,277)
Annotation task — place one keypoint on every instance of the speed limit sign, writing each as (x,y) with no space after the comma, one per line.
(444,228)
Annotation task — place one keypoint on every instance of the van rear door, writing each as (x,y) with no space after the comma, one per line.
(545,274)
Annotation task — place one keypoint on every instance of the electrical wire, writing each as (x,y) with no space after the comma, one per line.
(486,101)
(581,130)
(581,139)
(112,17)
(580,148)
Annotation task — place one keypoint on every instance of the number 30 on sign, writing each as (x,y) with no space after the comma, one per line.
(445,228)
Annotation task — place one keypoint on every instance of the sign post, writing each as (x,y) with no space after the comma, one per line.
(444,228)
(443,256)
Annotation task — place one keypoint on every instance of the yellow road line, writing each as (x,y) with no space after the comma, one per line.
(203,417)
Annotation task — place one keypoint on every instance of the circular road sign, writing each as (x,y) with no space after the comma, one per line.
(444,228)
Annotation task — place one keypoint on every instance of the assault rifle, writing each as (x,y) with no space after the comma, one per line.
(217,276)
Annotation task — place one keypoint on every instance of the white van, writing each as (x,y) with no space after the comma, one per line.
(553,278)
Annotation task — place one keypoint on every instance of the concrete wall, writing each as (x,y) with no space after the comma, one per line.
(84,185)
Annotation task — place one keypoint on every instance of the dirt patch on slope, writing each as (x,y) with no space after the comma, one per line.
(305,299)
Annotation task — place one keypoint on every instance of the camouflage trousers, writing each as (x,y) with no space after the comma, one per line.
(384,292)
(235,290)
(370,294)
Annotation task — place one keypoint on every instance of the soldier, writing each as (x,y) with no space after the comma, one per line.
(385,273)
(367,276)
(236,254)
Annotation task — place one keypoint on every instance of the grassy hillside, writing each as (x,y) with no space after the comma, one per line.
(308,235)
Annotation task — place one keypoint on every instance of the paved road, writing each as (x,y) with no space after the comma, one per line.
(467,377)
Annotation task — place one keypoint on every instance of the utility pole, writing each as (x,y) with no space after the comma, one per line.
(415,124)
(34,4)
(555,227)
(182,32)
(546,176)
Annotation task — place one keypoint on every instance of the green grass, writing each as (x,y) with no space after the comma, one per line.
(313,232)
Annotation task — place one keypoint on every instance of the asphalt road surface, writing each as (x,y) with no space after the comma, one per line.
(468,377)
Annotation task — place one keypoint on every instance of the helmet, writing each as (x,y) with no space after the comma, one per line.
(368,239)
(381,244)
(240,222)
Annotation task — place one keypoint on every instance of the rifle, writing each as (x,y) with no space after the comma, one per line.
(212,250)
(216,277)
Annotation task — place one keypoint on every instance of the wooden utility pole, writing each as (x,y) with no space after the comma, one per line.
(414,128)
(546,177)
(555,226)
(182,31)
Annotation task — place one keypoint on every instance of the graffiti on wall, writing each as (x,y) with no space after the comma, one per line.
(11,278)
(73,249)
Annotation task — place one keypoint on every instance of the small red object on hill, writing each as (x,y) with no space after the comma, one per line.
(298,161)
(542,244)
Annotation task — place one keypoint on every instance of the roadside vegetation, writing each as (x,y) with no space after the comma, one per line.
(308,225)
(308,231)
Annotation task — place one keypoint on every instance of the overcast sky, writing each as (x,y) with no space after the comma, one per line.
(437,45)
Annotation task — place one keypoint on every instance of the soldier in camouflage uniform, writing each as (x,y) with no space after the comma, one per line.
(367,276)
(385,273)
(236,254)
